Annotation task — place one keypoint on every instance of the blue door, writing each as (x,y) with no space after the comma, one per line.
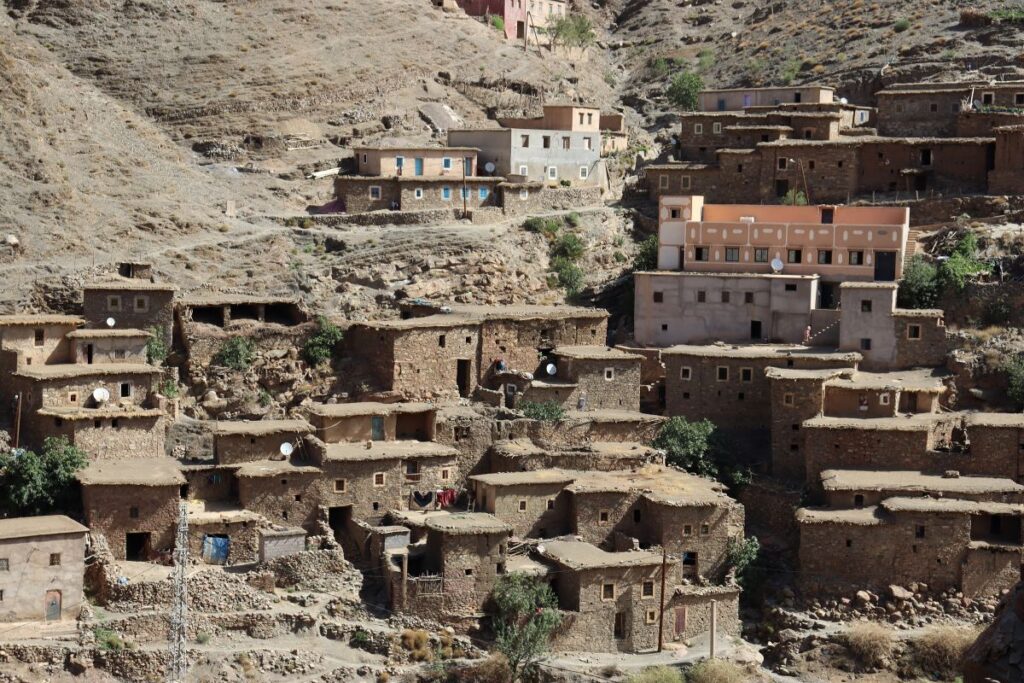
(419,166)
(215,549)
(377,427)
(399,164)
(467,167)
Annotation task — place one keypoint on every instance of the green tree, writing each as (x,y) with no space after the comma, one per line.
(572,30)
(568,274)
(647,255)
(545,411)
(684,90)
(236,353)
(961,264)
(156,348)
(526,614)
(320,346)
(919,287)
(35,484)
(688,445)
(1014,369)
(795,197)
(741,553)
(569,245)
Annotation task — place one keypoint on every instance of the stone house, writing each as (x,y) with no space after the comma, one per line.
(934,108)
(99,346)
(371,421)
(734,99)
(524,455)
(588,377)
(284,492)
(133,303)
(36,339)
(1007,174)
(534,502)
(864,488)
(133,503)
(224,535)
(245,440)
(42,565)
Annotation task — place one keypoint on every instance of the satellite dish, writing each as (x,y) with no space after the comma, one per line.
(843,100)
(101,395)
(489,167)
(551,369)
(111,322)
(286,449)
(777,265)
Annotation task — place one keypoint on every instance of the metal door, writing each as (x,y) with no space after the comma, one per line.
(377,427)
(885,266)
(419,166)
(52,605)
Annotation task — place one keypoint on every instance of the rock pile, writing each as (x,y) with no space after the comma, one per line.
(906,607)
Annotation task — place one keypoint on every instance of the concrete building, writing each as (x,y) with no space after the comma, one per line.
(42,565)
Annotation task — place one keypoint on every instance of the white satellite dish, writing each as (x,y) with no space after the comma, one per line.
(551,369)
(489,167)
(843,100)
(777,265)
(286,449)
(111,322)
(101,395)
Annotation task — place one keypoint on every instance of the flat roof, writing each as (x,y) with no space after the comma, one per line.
(43,525)
(159,471)
(129,284)
(923,379)
(72,370)
(807,373)
(856,517)
(413,148)
(757,276)
(367,408)
(658,483)
(108,333)
(527,478)
(228,299)
(921,422)
(768,88)
(386,450)
(946,86)
(611,415)
(272,468)
(868,285)
(595,353)
(465,523)
(578,555)
(526,311)
(33,319)
(261,427)
(107,412)
(524,448)
(856,140)
(769,351)
(954,505)
(914,481)
(995,420)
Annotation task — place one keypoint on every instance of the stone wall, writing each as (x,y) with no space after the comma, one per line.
(770,513)
(543,199)
(621,392)
(533,510)
(109,511)
(101,439)
(792,402)
(203,342)
(995,451)
(159,311)
(928,349)
(286,498)
(696,619)
(243,535)
(919,114)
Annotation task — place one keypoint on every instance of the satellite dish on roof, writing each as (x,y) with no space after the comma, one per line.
(551,369)
(286,449)
(843,100)
(111,322)
(777,265)
(101,395)
(489,167)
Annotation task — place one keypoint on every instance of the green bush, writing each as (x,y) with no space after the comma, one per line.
(919,287)
(570,275)
(360,639)
(1014,369)
(741,553)
(572,30)
(688,445)
(657,674)
(705,59)
(236,353)
(498,23)
(573,220)
(660,67)
(901,25)
(564,183)
(108,640)
(795,197)
(544,411)
(202,637)
(961,265)
(684,90)
(156,348)
(647,255)
(37,484)
(169,388)
(321,344)
(569,246)
(549,227)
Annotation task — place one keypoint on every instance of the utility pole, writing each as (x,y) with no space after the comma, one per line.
(714,629)
(465,192)
(179,610)
(661,612)
(17,423)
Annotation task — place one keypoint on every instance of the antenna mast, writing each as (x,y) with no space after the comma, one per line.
(179,610)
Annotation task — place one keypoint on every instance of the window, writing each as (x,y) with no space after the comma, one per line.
(54,559)
(783,163)
(705,529)
(114,303)
(685,374)
(663,182)
(825,257)
(647,590)
(340,485)
(378,479)
(483,193)
(858,500)
(760,255)
(126,389)
(609,374)
(926,157)
(716,128)
(988,98)
(856,258)
(701,253)
(5,564)
(522,506)
(899,108)
(142,304)
(746,374)
(723,373)
(918,531)
(684,182)
(651,616)
(934,106)
(374,191)
(73,397)
(659,297)
(673,214)
(546,142)
(524,195)
(584,172)
(687,530)
(524,140)
(552,172)
(701,296)
(588,143)
(608,591)
(883,399)
(524,170)
(795,255)
(790,288)
(725,297)
(40,337)
(590,117)
(120,354)
(748,297)
(849,543)
(865,344)
(732,254)
(566,142)
(602,517)
(133,512)
(787,399)
(469,571)
(551,504)
(446,192)
(913,332)
(865,306)
(465,193)
(1018,98)
(698,129)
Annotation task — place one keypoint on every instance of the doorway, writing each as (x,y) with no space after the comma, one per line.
(462,376)
(52,605)
(826,296)
(755,330)
(137,546)
(885,266)
(680,621)
(338,519)
(520,29)
(376,427)
(781,188)
(88,353)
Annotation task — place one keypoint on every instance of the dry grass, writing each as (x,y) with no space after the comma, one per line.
(939,651)
(870,644)
(494,669)
(658,674)
(417,642)
(717,671)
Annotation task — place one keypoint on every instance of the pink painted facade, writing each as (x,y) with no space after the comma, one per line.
(516,13)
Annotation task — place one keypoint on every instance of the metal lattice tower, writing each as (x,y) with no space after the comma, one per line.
(179,610)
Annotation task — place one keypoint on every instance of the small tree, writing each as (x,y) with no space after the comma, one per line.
(572,30)
(545,411)
(35,484)
(684,90)
(237,353)
(961,264)
(741,553)
(156,348)
(569,245)
(647,255)
(688,444)
(919,287)
(568,275)
(526,615)
(320,347)
(795,197)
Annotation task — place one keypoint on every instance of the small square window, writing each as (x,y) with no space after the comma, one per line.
(748,297)
(374,191)
(685,373)
(664,327)
(378,479)
(884,399)
(417,193)
(685,183)
(133,512)
(114,303)
(723,373)
(746,374)
(795,256)
(602,517)
(701,296)
(651,616)
(609,374)
(716,128)
(865,344)
(659,297)
(73,397)
(913,332)
(469,571)
(856,258)
(849,543)
(705,529)
(340,485)
(698,129)
(40,337)
(790,288)
(608,591)
(673,214)
(522,506)
(126,389)
(54,559)
(551,504)
(787,399)
(865,306)
(584,172)
(141,304)
(687,530)
(918,531)
(648,589)
(446,163)
(783,163)
(663,182)
(5,564)
(701,253)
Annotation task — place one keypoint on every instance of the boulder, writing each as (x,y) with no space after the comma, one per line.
(900,593)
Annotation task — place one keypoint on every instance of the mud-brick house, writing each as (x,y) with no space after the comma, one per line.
(42,564)
(133,503)
(534,502)
(108,345)
(282,491)
(372,421)
(449,574)
(521,19)
(247,440)
(223,534)
(272,323)
(524,455)
(133,303)
(35,339)
(946,543)
(588,377)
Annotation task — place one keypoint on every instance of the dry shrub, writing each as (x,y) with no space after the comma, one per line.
(717,671)
(414,639)
(383,677)
(494,669)
(658,674)
(870,644)
(939,651)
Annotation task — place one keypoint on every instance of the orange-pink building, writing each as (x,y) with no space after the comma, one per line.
(416,161)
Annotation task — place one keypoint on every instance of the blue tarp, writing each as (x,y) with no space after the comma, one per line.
(215,549)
